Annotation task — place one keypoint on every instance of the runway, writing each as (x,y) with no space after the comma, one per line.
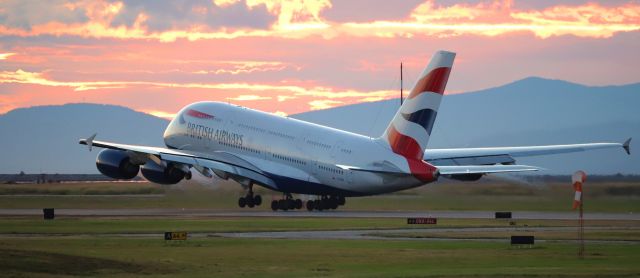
(303,213)
(362,234)
(396,234)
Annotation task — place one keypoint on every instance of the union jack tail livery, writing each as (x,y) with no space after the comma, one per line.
(409,131)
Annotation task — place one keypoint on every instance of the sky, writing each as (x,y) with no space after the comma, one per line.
(292,56)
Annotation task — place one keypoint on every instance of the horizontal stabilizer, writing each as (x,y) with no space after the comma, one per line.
(485,169)
(626,146)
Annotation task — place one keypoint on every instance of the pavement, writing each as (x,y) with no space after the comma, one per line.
(373,234)
(329,214)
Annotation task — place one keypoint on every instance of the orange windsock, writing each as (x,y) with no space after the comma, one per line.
(578,178)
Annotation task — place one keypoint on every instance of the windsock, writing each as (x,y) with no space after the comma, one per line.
(578,179)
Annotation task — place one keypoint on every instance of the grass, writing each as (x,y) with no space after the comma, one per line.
(84,246)
(488,195)
(223,257)
(82,188)
(87,246)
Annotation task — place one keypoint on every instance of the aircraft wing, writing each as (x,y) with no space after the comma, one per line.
(455,170)
(215,161)
(507,155)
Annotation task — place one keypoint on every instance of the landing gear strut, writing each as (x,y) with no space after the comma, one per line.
(325,203)
(287,203)
(250,200)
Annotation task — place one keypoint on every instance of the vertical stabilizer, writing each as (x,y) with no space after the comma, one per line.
(409,131)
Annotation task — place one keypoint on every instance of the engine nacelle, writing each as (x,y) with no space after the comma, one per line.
(465,177)
(162,175)
(116,164)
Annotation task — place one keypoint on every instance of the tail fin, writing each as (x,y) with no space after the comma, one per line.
(409,131)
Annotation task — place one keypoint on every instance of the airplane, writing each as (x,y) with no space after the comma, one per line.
(291,156)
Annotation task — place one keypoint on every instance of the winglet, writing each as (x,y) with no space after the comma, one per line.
(626,146)
(89,141)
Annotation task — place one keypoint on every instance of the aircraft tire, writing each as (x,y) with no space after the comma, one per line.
(298,204)
(342,201)
(274,205)
(250,202)
(257,200)
(242,202)
(333,203)
(282,204)
(310,205)
(319,205)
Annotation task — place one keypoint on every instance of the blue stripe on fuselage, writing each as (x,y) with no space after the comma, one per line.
(291,185)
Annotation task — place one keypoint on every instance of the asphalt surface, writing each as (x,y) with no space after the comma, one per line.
(303,213)
(378,234)
(397,234)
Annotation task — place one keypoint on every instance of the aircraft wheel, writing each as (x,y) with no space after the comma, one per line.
(298,204)
(242,202)
(310,205)
(250,202)
(319,205)
(291,204)
(333,203)
(274,205)
(342,201)
(257,200)
(282,204)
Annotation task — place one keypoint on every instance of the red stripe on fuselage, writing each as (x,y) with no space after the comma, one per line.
(198,114)
(411,150)
(435,81)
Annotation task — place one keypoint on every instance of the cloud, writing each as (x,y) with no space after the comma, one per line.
(249,98)
(24,14)
(4,56)
(500,17)
(184,14)
(38,78)
(280,113)
(244,67)
(160,114)
(323,104)
(285,98)
(200,19)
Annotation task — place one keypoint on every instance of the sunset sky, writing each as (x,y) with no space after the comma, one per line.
(292,56)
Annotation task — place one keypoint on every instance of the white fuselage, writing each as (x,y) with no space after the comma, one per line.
(300,157)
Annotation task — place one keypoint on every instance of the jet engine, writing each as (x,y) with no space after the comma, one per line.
(116,164)
(465,177)
(171,174)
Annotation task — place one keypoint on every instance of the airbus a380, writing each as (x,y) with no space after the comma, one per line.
(297,157)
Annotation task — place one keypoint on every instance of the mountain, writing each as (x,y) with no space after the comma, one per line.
(532,111)
(45,138)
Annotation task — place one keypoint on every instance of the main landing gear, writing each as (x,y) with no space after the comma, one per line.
(325,203)
(288,203)
(250,200)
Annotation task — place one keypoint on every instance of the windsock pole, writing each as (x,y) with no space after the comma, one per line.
(578,179)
